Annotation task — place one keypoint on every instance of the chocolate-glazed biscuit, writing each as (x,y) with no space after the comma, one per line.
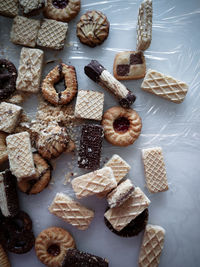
(95,71)
(8,76)
(8,194)
(76,258)
(133,228)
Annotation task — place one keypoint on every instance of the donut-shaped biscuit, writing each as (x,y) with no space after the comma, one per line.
(62,71)
(121,126)
(62,10)
(51,246)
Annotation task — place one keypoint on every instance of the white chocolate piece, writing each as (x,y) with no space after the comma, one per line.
(154,167)
(89,105)
(119,166)
(9,116)
(20,156)
(152,246)
(120,217)
(164,86)
(94,183)
(71,211)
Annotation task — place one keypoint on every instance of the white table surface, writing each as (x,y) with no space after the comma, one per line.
(175,127)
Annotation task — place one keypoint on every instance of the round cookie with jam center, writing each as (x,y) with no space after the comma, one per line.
(121,126)
(93,28)
(51,246)
(133,228)
(62,10)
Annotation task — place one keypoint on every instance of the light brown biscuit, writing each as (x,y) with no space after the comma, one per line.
(154,167)
(121,126)
(32,7)
(4,261)
(93,28)
(71,211)
(152,246)
(129,65)
(42,178)
(24,31)
(64,10)
(59,73)
(164,86)
(9,8)
(16,98)
(3,148)
(30,70)
(52,34)
(9,117)
(89,105)
(51,246)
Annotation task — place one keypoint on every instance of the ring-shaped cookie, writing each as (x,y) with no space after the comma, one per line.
(51,246)
(62,10)
(62,71)
(121,126)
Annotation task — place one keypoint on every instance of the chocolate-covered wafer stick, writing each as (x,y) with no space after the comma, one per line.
(95,71)
(8,194)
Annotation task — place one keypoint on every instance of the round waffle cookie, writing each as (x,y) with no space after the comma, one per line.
(60,72)
(121,126)
(133,228)
(93,28)
(62,10)
(51,246)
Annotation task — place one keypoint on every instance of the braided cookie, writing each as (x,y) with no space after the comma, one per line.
(52,244)
(121,126)
(3,150)
(60,72)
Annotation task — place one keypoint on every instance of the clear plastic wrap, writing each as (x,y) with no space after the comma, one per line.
(175,51)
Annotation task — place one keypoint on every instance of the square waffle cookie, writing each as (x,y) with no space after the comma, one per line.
(9,8)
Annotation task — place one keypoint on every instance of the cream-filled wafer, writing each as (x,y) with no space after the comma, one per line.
(144,26)
(9,116)
(24,31)
(120,194)
(9,8)
(30,69)
(9,204)
(164,86)
(152,246)
(119,166)
(71,211)
(4,261)
(95,71)
(89,105)
(121,216)
(94,183)
(20,156)
(154,167)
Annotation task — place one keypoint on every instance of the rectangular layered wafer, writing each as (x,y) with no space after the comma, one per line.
(96,182)
(154,167)
(90,146)
(152,246)
(9,8)
(119,166)
(144,26)
(89,105)
(30,69)
(164,86)
(120,194)
(20,156)
(120,216)
(24,31)
(9,116)
(71,211)
(52,34)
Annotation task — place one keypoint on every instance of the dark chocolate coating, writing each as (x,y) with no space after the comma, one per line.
(8,76)
(10,185)
(123,69)
(136,58)
(133,228)
(93,70)
(128,101)
(90,147)
(60,3)
(76,258)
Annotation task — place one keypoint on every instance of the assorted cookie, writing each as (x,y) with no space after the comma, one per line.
(4,258)
(62,10)
(3,148)
(93,28)
(32,7)
(9,8)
